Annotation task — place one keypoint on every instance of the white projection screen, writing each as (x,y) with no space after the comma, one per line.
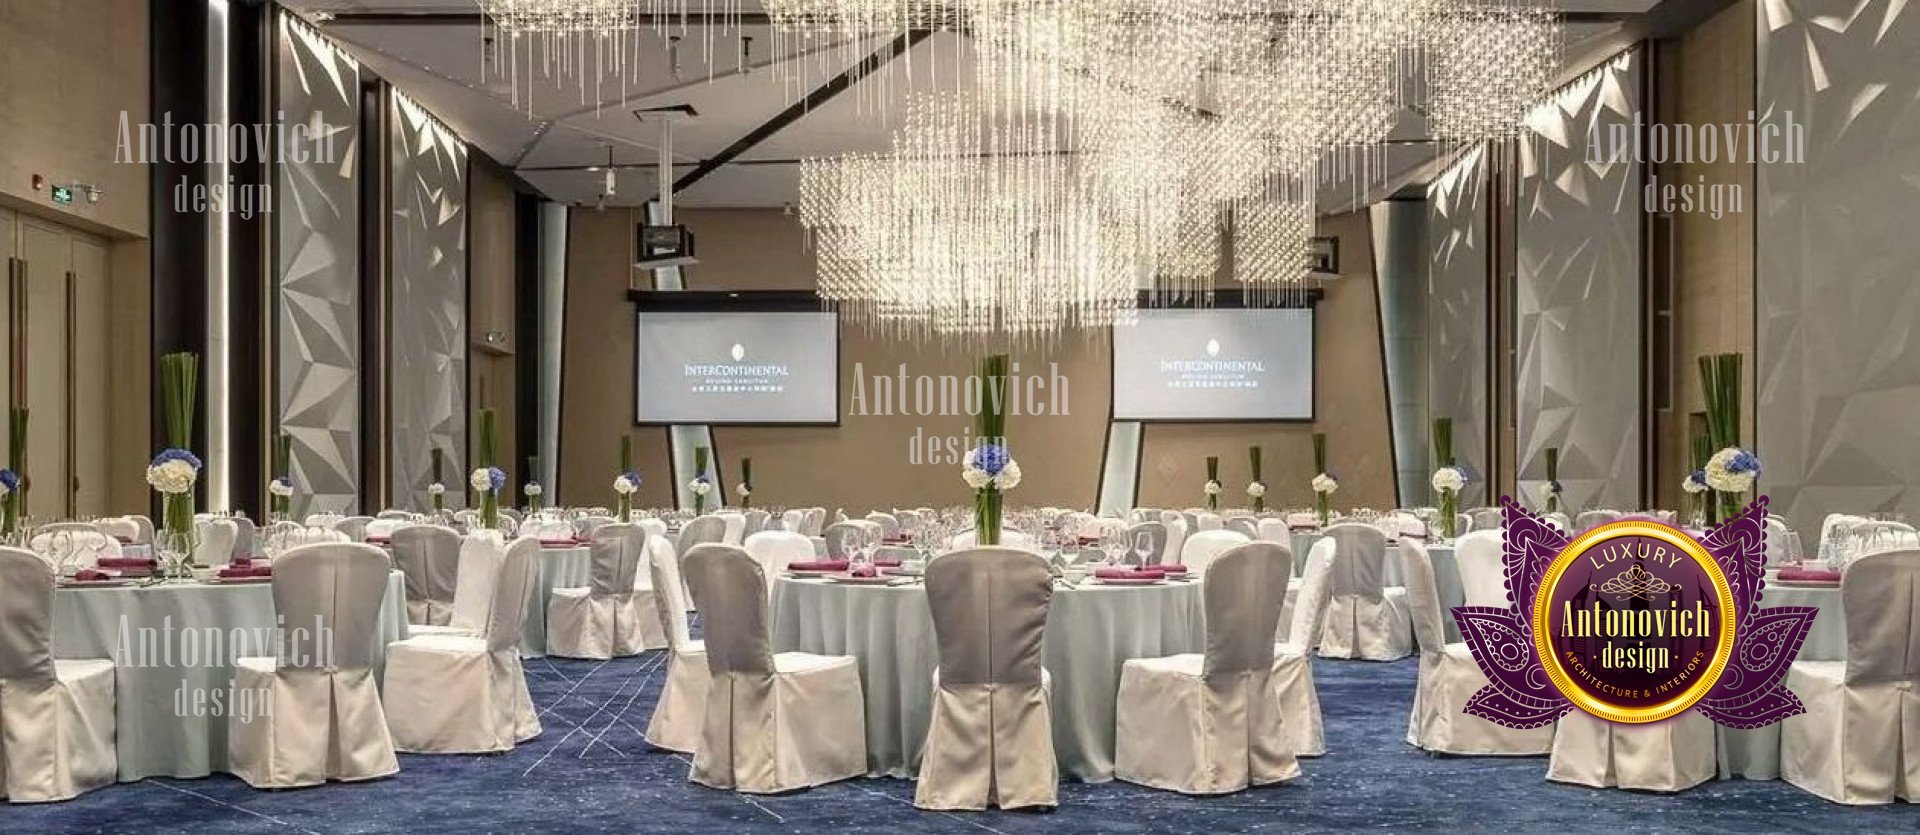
(1214,365)
(737,368)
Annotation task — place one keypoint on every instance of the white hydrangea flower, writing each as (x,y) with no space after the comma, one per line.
(1009,476)
(436,489)
(743,490)
(1726,473)
(976,478)
(532,489)
(625,486)
(481,481)
(1694,484)
(1213,488)
(1449,479)
(1324,483)
(699,488)
(1256,489)
(172,477)
(279,488)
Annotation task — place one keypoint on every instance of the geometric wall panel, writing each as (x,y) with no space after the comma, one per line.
(317,228)
(1837,359)
(1577,294)
(427,274)
(1457,313)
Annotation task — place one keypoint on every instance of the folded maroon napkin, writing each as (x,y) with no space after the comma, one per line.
(88,575)
(820,565)
(1305,527)
(895,540)
(247,570)
(1126,574)
(559,543)
(126,562)
(864,571)
(124,540)
(1809,575)
(1165,568)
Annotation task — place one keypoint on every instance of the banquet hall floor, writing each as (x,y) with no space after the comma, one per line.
(591,771)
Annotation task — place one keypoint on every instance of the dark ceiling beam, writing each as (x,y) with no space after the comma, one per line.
(820,96)
(1666,19)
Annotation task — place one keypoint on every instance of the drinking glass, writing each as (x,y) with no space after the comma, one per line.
(1143,547)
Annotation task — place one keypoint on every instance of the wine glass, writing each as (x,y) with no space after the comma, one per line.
(1143,547)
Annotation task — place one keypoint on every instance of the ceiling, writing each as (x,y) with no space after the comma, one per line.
(553,131)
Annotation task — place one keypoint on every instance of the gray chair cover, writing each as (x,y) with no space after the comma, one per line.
(1243,524)
(57,718)
(756,521)
(1156,532)
(1362,619)
(355,527)
(603,622)
(990,741)
(700,531)
(429,558)
(839,537)
(1486,518)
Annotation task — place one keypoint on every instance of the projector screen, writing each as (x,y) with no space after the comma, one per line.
(726,367)
(1220,364)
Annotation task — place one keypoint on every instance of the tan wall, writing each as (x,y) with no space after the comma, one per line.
(869,460)
(68,71)
(1350,406)
(1711,69)
(491,379)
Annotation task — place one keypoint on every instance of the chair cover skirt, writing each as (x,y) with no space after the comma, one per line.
(450,694)
(1855,744)
(580,625)
(1668,756)
(1299,700)
(1180,731)
(279,750)
(677,717)
(801,726)
(1370,630)
(57,736)
(1016,769)
(1440,723)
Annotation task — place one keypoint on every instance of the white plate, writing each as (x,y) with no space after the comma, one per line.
(1804,584)
(850,580)
(95,584)
(239,581)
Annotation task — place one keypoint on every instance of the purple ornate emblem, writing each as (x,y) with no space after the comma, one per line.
(1748,692)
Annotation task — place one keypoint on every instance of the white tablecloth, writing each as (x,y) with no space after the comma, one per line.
(1091,630)
(1755,754)
(560,568)
(174,646)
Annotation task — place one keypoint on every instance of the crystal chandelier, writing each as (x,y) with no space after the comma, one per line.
(581,41)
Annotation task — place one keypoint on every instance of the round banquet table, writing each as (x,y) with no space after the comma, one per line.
(169,670)
(560,568)
(1755,754)
(1091,631)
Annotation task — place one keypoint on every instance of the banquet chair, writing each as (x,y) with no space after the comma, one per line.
(1156,534)
(1779,539)
(841,537)
(82,545)
(815,522)
(794,520)
(476,582)
(1486,518)
(429,558)
(734,529)
(326,721)
(122,528)
(889,524)
(323,519)
(1590,519)
(1177,531)
(701,531)
(990,741)
(57,718)
(1171,516)
(1365,618)
(467,694)
(1211,723)
(216,541)
(1206,521)
(675,724)
(756,521)
(653,527)
(1449,676)
(1302,621)
(355,527)
(1303,521)
(1201,549)
(1668,756)
(1483,570)
(1243,525)
(1859,741)
(773,550)
(1558,520)
(246,539)
(512,513)
(1273,530)
(611,617)
(910,520)
(774,722)
(384,528)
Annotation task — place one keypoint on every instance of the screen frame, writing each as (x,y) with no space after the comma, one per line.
(736,301)
(1221,300)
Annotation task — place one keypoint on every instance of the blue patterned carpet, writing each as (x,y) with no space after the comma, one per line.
(591,771)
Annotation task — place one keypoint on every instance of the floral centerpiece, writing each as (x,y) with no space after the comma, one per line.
(532,490)
(487,480)
(1256,489)
(174,472)
(1731,470)
(1550,492)
(1212,487)
(1696,488)
(626,483)
(11,477)
(989,468)
(1324,484)
(280,486)
(1448,479)
(701,485)
(745,488)
(437,492)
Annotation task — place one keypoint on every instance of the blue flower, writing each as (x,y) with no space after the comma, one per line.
(1698,476)
(991,458)
(1744,461)
(9,480)
(285,482)
(632,476)
(497,477)
(167,455)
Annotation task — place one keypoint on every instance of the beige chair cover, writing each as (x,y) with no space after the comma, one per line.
(608,619)
(677,716)
(1213,723)
(1483,570)
(1365,619)
(1449,677)
(429,557)
(773,723)
(1201,548)
(452,694)
(990,742)
(326,721)
(1156,533)
(56,717)
(1859,741)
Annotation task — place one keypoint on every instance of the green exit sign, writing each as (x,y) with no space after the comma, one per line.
(62,195)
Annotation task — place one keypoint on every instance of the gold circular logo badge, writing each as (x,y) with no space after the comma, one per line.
(1634,621)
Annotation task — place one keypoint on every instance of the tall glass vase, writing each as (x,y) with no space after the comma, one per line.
(1322,507)
(1728,504)
(1449,514)
(986,516)
(489,510)
(174,543)
(623,508)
